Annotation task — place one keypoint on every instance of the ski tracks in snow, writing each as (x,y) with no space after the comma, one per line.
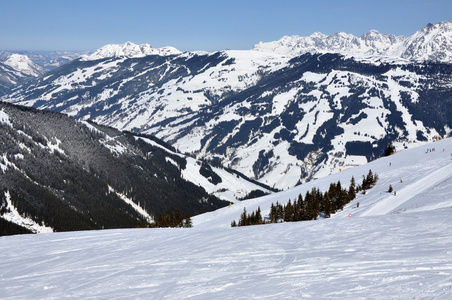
(393,202)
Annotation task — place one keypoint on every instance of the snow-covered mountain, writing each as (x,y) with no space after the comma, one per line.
(16,69)
(391,246)
(129,50)
(99,177)
(370,43)
(24,64)
(433,42)
(278,119)
(47,59)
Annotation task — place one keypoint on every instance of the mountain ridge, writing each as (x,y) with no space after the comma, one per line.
(129,50)
(433,42)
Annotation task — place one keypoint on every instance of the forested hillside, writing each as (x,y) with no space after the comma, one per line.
(60,173)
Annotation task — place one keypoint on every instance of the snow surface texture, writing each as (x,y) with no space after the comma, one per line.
(392,247)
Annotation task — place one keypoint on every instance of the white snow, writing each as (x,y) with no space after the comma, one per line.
(135,206)
(15,217)
(4,118)
(24,64)
(129,50)
(231,188)
(433,42)
(392,247)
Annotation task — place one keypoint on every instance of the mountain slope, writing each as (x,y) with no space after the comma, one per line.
(17,69)
(61,174)
(24,64)
(403,253)
(47,59)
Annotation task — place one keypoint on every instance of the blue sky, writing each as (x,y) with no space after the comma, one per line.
(202,25)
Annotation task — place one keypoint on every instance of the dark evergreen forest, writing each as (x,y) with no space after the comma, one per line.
(68,175)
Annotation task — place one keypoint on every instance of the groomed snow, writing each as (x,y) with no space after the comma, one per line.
(390,247)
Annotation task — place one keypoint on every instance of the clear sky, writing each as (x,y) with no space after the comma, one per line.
(202,24)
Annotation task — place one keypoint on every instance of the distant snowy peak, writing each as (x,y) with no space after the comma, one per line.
(24,64)
(129,50)
(433,42)
(340,42)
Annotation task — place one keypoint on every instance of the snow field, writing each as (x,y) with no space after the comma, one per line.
(398,249)
(386,257)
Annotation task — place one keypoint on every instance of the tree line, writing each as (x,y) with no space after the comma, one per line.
(311,205)
(172,219)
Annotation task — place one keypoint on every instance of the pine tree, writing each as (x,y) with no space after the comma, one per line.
(352,189)
(273,216)
(288,212)
(243,218)
(390,149)
(327,207)
(188,222)
(259,219)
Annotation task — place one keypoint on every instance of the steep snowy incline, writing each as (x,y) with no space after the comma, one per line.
(262,114)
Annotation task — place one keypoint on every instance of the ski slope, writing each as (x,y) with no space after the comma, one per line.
(422,179)
(392,247)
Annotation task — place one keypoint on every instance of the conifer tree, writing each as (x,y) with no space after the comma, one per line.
(273,213)
(352,189)
(390,149)
(288,212)
(188,222)
(259,219)
(243,218)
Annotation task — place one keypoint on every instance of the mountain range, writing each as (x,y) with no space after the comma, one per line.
(49,60)
(433,43)
(281,114)
(276,116)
